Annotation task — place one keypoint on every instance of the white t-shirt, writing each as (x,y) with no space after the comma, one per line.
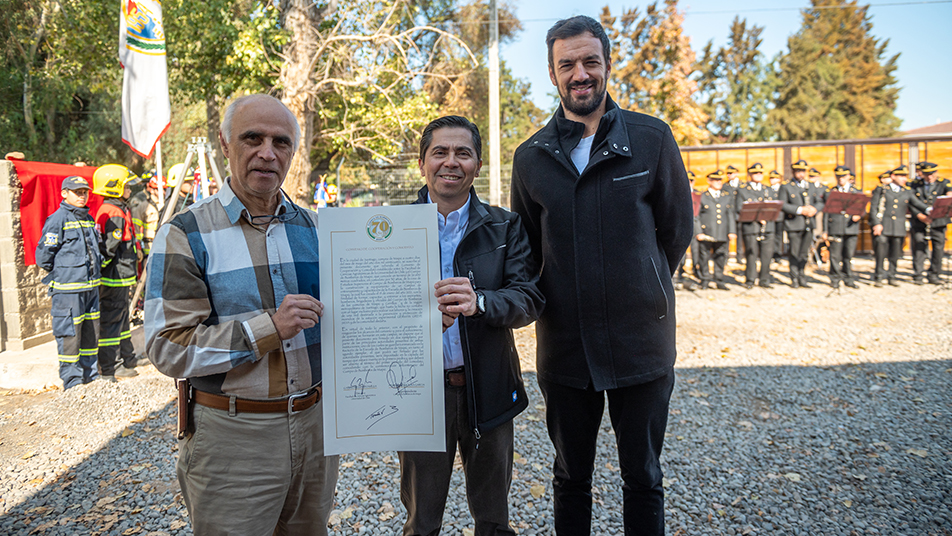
(581,153)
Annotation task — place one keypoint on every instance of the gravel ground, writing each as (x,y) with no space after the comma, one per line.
(795,412)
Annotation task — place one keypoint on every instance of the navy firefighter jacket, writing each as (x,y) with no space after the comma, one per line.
(69,250)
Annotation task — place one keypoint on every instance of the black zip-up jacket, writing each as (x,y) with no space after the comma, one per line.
(69,250)
(494,254)
(607,241)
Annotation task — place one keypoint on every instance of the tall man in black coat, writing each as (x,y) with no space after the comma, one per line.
(925,229)
(842,230)
(801,202)
(607,205)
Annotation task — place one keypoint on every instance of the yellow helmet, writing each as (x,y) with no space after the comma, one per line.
(173,176)
(110,180)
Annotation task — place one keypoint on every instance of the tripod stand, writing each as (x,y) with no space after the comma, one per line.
(200,147)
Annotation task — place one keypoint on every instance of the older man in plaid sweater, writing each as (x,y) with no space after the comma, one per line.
(231,305)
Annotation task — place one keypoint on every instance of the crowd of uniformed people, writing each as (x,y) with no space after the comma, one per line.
(94,261)
(802,228)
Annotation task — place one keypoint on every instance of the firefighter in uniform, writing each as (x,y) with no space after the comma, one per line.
(926,230)
(145,214)
(842,232)
(801,203)
(887,219)
(114,223)
(758,236)
(69,251)
(715,227)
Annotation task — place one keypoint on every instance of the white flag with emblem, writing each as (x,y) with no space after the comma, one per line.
(146,112)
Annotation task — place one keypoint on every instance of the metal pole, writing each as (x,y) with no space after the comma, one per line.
(158,173)
(495,189)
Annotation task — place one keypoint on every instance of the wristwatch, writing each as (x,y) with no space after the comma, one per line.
(480,304)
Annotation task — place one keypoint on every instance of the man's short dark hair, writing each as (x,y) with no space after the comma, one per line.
(578,25)
(451,121)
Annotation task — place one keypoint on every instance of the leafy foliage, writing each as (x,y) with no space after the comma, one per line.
(834,83)
(652,62)
(736,86)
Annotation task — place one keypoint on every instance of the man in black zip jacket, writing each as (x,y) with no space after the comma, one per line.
(486,291)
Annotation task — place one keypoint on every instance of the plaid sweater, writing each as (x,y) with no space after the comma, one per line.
(214,280)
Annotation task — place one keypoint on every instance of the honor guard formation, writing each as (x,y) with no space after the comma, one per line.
(802,218)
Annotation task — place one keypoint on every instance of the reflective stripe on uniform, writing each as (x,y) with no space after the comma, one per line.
(69,358)
(114,341)
(88,351)
(79,224)
(124,282)
(82,285)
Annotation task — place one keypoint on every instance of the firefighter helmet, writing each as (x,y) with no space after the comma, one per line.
(110,180)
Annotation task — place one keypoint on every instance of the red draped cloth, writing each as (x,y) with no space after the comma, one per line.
(41,197)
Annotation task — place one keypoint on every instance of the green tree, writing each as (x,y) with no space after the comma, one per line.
(834,82)
(652,62)
(466,90)
(736,86)
(60,81)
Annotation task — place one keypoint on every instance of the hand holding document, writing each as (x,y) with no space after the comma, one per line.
(381,332)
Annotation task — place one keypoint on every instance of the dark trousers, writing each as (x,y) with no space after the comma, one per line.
(487,466)
(639,416)
(800,243)
(115,337)
(887,247)
(921,239)
(842,249)
(761,247)
(76,328)
(716,251)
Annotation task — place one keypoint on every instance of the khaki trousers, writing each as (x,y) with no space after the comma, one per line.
(257,473)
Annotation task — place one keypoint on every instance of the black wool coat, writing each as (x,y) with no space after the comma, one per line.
(607,242)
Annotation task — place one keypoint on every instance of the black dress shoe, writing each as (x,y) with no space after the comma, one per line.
(721,286)
(917,281)
(765,285)
(878,284)
(851,284)
(834,284)
(934,281)
(795,284)
(803,283)
(704,285)
(748,285)
(893,282)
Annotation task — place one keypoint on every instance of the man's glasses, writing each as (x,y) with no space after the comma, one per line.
(281,218)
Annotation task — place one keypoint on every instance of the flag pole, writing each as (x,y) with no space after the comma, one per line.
(158,174)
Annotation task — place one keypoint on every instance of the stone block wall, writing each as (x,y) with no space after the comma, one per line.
(24,303)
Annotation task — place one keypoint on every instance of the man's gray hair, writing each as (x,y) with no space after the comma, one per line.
(241,101)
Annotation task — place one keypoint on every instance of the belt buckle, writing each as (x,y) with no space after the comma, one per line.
(292,398)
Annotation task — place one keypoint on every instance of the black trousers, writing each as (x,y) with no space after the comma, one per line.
(639,416)
(887,247)
(920,244)
(800,243)
(842,249)
(758,247)
(487,465)
(716,251)
(115,336)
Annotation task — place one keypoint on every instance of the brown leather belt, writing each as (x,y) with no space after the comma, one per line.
(455,377)
(292,404)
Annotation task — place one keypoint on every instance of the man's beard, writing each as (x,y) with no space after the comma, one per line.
(583,108)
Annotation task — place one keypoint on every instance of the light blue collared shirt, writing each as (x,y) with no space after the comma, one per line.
(452,229)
